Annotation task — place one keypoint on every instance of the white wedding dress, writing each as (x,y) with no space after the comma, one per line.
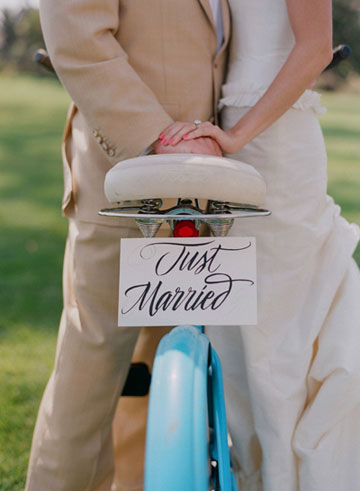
(293,381)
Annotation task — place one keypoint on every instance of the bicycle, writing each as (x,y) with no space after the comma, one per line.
(187,438)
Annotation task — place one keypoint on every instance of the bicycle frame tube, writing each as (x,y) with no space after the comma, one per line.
(219,445)
(186,387)
(177,437)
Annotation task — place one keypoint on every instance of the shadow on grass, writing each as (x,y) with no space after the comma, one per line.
(31,165)
(30,279)
(339,132)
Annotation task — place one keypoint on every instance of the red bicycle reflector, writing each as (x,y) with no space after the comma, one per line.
(185,228)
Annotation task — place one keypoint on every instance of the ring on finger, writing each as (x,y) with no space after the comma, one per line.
(197,123)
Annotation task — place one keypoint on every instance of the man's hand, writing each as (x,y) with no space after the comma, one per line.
(205,146)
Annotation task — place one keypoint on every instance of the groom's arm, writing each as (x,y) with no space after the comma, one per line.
(94,69)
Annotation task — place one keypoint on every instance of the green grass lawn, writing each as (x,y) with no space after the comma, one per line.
(31,249)
(33,234)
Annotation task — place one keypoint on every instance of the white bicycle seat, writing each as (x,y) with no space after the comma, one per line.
(186,176)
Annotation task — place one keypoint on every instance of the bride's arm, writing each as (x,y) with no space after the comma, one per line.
(311,22)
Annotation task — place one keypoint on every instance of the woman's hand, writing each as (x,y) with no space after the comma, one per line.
(312,27)
(204,146)
(178,131)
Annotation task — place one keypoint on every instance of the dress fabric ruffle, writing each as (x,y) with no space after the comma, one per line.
(248,483)
(235,96)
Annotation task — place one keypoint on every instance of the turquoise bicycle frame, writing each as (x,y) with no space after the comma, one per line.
(186,400)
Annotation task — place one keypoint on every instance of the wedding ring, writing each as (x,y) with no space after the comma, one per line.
(197,123)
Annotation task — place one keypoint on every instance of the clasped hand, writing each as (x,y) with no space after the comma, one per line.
(180,132)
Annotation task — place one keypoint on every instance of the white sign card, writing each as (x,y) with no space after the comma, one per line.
(197,281)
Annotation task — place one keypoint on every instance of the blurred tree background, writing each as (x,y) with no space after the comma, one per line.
(346,25)
(20,36)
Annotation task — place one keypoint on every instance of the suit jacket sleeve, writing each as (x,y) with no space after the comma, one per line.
(94,69)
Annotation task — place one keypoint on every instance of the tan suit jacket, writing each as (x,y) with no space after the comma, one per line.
(130,71)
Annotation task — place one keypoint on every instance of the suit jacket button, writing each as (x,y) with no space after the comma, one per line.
(105,146)
(111,152)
